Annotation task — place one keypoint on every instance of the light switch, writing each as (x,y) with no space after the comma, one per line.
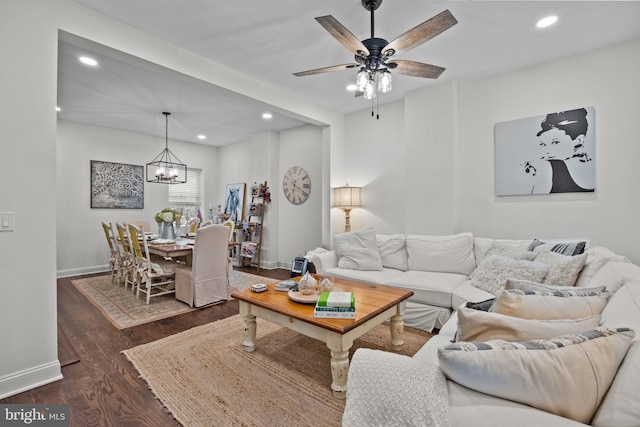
(7,221)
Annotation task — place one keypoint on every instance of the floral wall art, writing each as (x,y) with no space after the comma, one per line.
(552,153)
(116,185)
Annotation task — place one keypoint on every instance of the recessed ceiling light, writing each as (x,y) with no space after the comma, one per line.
(546,21)
(267,116)
(88,61)
(58,109)
(352,87)
(202,136)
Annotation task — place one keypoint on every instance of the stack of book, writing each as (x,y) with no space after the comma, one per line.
(336,304)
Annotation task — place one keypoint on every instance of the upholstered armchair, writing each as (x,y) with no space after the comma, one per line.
(205,281)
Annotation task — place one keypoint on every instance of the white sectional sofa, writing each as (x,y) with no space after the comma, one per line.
(589,378)
(436,268)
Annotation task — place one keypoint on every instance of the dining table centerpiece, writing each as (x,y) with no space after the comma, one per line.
(165,219)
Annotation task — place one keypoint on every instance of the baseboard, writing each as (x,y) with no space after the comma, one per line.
(28,379)
(83,270)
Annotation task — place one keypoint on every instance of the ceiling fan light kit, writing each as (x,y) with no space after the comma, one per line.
(373,55)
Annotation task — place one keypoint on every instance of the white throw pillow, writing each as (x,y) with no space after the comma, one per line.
(555,305)
(393,251)
(563,270)
(478,325)
(494,270)
(443,254)
(358,250)
(566,376)
(510,251)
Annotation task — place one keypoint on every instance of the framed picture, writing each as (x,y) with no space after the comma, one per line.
(552,153)
(234,201)
(116,185)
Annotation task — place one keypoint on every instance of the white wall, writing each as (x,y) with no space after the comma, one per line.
(606,79)
(29,36)
(81,244)
(446,174)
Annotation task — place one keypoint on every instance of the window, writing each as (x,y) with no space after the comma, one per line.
(185,198)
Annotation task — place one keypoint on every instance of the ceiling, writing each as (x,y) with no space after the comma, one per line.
(270,40)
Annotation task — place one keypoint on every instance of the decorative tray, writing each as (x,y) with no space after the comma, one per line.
(306,299)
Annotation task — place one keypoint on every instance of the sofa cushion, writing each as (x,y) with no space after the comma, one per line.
(368,276)
(550,305)
(358,250)
(615,274)
(477,325)
(563,270)
(567,376)
(428,287)
(444,254)
(620,405)
(393,251)
(569,248)
(597,257)
(494,270)
(466,293)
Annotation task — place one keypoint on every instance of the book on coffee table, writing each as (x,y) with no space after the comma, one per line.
(335,312)
(336,299)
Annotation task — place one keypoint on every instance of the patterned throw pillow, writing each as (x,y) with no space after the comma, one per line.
(524,285)
(494,270)
(567,376)
(560,304)
(564,248)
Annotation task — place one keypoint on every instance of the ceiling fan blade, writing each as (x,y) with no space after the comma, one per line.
(423,32)
(342,34)
(325,70)
(418,69)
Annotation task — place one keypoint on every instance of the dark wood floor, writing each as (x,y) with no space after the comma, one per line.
(103,388)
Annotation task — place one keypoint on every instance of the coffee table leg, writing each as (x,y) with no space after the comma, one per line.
(397,329)
(339,365)
(249,319)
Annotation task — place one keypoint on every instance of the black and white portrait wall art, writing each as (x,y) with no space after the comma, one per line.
(552,153)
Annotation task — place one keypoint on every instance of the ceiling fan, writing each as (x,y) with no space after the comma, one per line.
(373,55)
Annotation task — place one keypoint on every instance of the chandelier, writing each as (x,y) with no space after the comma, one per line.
(166,168)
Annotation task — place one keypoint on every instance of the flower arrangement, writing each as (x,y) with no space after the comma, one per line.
(166,215)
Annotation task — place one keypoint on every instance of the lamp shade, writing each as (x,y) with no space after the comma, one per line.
(347,197)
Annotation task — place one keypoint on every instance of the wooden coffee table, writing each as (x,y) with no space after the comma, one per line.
(374,305)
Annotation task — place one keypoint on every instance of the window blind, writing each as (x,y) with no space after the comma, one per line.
(189,192)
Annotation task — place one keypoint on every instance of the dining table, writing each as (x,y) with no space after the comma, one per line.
(180,247)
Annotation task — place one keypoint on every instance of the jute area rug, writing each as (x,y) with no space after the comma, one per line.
(204,377)
(123,310)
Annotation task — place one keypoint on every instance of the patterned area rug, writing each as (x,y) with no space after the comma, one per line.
(123,310)
(204,377)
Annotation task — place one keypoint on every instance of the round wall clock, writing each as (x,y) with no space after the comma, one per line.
(296,185)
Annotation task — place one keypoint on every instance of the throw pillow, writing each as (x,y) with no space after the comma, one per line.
(555,305)
(494,270)
(358,250)
(565,248)
(563,270)
(482,305)
(524,285)
(567,376)
(475,325)
(443,254)
(393,251)
(510,251)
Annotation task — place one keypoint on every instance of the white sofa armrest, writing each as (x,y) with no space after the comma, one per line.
(385,389)
(324,261)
